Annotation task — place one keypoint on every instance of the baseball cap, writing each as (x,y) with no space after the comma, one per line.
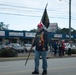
(40,25)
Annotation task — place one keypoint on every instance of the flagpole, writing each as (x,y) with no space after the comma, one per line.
(46,5)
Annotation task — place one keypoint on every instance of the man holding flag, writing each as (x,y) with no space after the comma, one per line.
(41,43)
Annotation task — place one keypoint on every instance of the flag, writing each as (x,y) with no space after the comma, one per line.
(45,18)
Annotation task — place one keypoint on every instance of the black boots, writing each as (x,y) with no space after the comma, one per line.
(35,72)
(44,72)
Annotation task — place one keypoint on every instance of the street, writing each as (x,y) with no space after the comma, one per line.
(56,66)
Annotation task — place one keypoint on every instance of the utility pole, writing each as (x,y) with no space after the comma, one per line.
(69,20)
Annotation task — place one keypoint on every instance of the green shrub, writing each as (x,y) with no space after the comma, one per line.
(8,53)
(72,51)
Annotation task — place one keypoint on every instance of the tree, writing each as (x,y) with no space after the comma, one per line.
(65,30)
(3,26)
(33,30)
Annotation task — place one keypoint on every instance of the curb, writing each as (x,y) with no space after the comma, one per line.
(32,57)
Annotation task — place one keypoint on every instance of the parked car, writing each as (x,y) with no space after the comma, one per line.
(16,47)
(67,46)
(3,46)
(13,44)
(19,48)
(27,47)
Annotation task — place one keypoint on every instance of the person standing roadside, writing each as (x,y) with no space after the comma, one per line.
(60,48)
(69,49)
(55,47)
(41,43)
(63,48)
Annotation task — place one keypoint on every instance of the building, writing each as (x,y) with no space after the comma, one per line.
(22,37)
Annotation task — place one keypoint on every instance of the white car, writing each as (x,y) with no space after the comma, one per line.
(13,44)
(28,46)
(67,46)
(19,48)
(16,47)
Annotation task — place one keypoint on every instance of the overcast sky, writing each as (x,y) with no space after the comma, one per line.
(26,14)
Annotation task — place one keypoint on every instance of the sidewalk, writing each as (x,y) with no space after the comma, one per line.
(24,56)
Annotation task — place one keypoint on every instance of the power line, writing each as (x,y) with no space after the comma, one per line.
(17,8)
(19,14)
(26,7)
(29,11)
(24,10)
(20,6)
(34,16)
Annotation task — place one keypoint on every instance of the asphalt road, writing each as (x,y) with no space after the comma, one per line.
(56,66)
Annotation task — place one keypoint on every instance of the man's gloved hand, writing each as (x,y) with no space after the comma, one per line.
(44,48)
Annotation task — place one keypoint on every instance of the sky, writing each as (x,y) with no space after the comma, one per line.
(26,14)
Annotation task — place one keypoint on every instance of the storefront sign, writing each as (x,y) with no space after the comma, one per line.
(15,34)
(58,35)
(30,34)
(2,33)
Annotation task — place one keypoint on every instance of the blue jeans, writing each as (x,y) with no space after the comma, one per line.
(44,59)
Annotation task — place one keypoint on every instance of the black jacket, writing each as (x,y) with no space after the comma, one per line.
(41,40)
